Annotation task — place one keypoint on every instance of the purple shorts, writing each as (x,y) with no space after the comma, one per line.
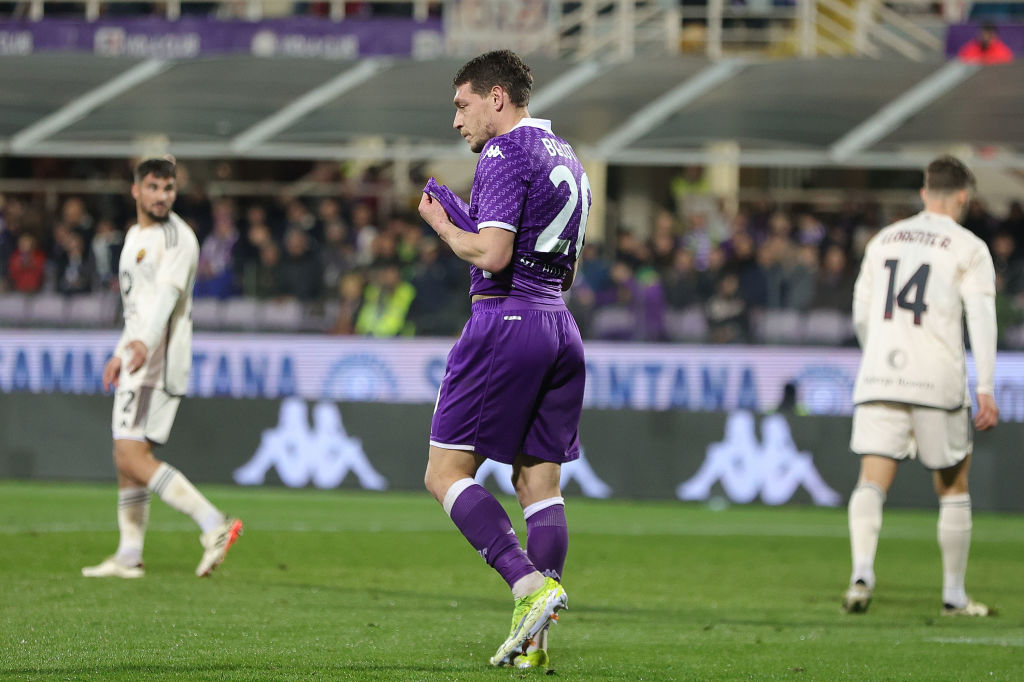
(513,383)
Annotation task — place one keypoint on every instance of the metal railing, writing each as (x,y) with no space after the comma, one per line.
(252,10)
(623,28)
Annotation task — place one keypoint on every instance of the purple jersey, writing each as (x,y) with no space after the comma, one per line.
(530,182)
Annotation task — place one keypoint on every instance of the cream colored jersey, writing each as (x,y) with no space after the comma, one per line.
(917,279)
(165,253)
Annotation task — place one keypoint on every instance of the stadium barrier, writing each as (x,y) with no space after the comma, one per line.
(717,457)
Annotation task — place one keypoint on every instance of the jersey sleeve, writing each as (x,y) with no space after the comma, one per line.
(500,185)
(977,289)
(178,263)
(862,298)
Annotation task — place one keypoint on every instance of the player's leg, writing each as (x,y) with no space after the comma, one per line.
(134,458)
(547,534)
(865,514)
(552,439)
(479,517)
(132,494)
(954,533)
(132,519)
(944,444)
(881,436)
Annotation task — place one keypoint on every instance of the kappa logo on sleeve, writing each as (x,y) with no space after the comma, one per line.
(494,152)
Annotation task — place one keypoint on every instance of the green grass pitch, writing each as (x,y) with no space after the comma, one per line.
(363,586)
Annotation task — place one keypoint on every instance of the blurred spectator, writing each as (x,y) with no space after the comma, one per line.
(633,307)
(753,283)
(76,274)
(26,268)
(682,282)
(727,313)
(438,308)
(801,278)
(834,287)
(247,252)
(386,303)
(1007,264)
(262,279)
(365,232)
(75,217)
(810,230)
(986,48)
(350,300)
(106,250)
(337,255)
(215,274)
(298,217)
(301,273)
(979,221)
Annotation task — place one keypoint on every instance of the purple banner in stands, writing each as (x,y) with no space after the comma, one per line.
(193,37)
(960,34)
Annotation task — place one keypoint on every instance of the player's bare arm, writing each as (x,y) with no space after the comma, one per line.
(111,373)
(988,412)
(490,249)
(138,358)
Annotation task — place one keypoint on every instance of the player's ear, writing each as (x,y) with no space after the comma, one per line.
(498,97)
(135,191)
(924,194)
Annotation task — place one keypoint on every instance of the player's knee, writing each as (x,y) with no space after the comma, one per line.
(128,455)
(434,484)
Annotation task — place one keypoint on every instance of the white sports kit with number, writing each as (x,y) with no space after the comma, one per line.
(146,401)
(917,279)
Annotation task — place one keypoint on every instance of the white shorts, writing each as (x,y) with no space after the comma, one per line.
(143,413)
(938,438)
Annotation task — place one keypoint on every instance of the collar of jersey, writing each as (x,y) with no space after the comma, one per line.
(542,123)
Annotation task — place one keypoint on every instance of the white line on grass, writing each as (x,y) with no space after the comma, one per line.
(704,530)
(987,641)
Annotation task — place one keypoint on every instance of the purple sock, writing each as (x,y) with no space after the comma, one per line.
(487,527)
(547,539)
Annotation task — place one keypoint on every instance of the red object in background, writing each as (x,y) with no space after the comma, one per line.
(27,270)
(995,52)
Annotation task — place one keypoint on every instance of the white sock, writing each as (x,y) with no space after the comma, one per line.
(954,543)
(132,517)
(527,585)
(176,490)
(865,525)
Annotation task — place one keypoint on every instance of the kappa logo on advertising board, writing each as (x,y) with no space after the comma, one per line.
(773,468)
(579,470)
(323,454)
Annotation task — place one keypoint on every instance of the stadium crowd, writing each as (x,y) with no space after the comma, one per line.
(388,275)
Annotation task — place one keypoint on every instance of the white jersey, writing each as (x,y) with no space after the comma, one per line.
(167,253)
(917,278)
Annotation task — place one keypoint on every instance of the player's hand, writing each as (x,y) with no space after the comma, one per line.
(138,358)
(111,373)
(432,211)
(988,412)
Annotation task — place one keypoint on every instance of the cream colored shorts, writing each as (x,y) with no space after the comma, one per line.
(938,438)
(143,413)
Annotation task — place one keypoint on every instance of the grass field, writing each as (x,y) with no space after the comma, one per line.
(354,586)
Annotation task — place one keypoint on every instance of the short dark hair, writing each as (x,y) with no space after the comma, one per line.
(500,67)
(947,174)
(158,168)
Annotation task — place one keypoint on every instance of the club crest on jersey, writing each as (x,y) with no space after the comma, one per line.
(140,255)
(494,152)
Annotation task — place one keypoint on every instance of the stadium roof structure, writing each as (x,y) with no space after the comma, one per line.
(667,110)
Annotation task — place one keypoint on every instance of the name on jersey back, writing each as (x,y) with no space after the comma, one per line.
(922,237)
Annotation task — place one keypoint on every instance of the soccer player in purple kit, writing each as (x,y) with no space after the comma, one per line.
(513,386)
